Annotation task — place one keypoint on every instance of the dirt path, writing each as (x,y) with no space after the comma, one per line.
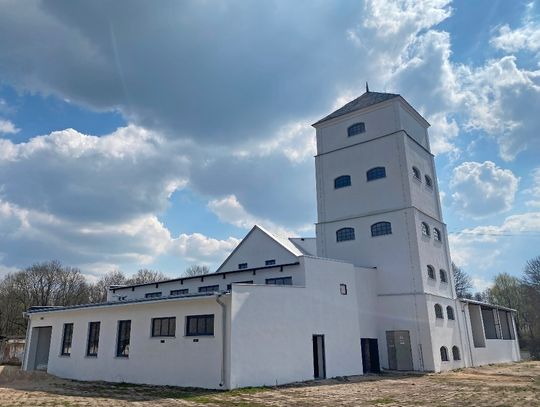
(515,384)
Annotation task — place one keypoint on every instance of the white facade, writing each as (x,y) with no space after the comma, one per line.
(361,295)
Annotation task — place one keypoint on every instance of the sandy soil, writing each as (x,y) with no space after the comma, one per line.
(515,384)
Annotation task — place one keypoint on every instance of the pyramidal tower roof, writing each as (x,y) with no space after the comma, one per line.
(367,99)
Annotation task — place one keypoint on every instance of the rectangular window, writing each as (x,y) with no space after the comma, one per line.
(343,289)
(209,289)
(279,281)
(180,292)
(122,343)
(269,262)
(199,325)
(66,339)
(242,266)
(490,327)
(152,295)
(229,286)
(163,326)
(93,339)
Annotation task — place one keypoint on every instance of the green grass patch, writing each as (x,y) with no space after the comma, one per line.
(383,401)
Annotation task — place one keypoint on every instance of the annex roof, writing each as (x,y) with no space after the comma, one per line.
(486,304)
(361,102)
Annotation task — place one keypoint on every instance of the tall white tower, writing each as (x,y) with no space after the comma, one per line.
(378,206)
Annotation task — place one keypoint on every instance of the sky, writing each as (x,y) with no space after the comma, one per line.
(155,134)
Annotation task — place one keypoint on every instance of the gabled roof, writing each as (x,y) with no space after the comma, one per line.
(283,242)
(367,99)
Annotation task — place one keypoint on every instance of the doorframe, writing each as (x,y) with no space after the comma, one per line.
(315,338)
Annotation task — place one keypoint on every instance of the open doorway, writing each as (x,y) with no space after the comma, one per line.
(370,355)
(319,364)
(40,345)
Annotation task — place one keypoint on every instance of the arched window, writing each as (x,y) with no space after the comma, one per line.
(376,173)
(437,234)
(425,229)
(356,128)
(429,182)
(416,173)
(431,271)
(455,353)
(444,354)
(343,181)
(438,311)
(450,312)
(442,275)
(345,234)
(381,228)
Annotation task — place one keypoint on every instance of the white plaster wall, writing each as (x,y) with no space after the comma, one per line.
(379,120)
(412,126)
(193,284)
(179,361)
(272,327)
(362,196)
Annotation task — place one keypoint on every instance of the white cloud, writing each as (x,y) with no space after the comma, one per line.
(443,133)
(525,37)
(482,189)
(7,127)
(201,249)
(534,190)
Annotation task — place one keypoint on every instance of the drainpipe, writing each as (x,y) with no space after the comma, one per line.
(463,305)
(223,336)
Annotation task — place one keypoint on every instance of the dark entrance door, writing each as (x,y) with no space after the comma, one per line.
(399,350)
(370,355)
(319,365)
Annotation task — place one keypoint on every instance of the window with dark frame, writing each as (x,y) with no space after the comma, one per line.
(438,312)
(153,295)
(425,229)
(342,181)
(444,354)
(429,182)
(279,281)
(269,262)
(450,312)
(416,174)
(200,325)
(455,353)
(242,266)
(437,234)
(67,338)
(381,228)
(93,339)
(209,289)
(431,271)
(123,338)
(344,234)
(442,275)
(163,327)
(343,289)
(229,286)
(376,173)
(180,292)
(357,128)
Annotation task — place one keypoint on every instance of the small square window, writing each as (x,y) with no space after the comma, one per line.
(269,262)
(242,266)
(343,289)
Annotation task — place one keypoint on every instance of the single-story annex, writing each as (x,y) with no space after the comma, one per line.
(373,290)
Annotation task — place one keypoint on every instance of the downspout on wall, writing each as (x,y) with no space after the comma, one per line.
(223,337)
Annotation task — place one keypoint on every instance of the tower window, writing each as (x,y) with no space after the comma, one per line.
(450,312)
(437,234)
(444,354)
(342,181)
(356,128)
(442,275)
(345,234)
(425,229)
(429,182)
(381,228)
(269,262)
(242,266)
(455,353)
(431,272)
(376,173)
(438,311)
(416,173)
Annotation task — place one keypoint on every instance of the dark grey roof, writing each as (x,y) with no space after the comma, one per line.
(367,99)
(36,309)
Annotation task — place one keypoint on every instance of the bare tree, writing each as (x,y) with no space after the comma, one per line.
(196,270)
(531,306)
(462,282)
(98,290)
(146,276)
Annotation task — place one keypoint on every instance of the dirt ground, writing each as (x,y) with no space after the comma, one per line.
(515,384)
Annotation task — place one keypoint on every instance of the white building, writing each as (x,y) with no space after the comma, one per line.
(372,290)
